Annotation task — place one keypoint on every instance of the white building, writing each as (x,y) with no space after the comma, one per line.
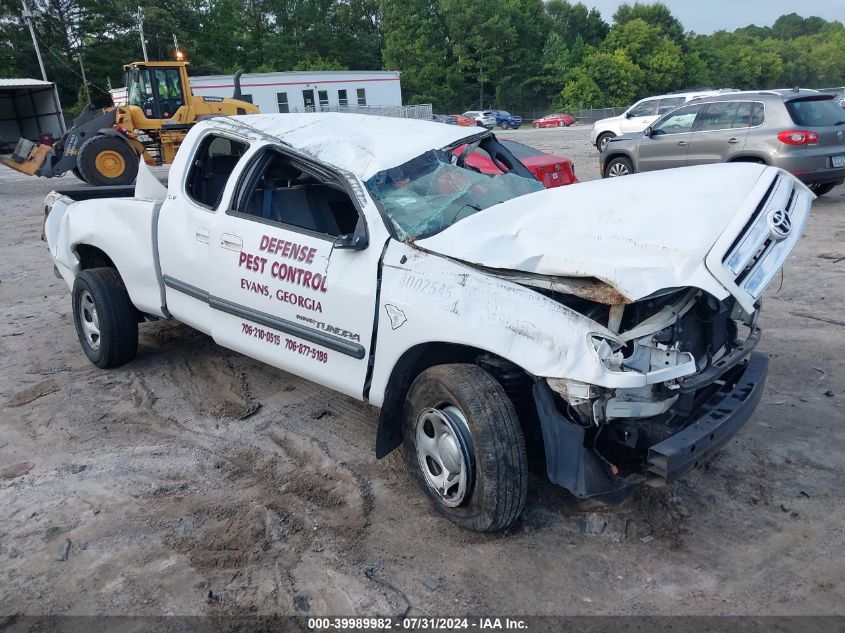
(308,91)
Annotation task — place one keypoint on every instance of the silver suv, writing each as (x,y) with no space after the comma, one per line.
(801,131)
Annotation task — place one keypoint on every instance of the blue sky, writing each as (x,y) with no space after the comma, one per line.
(706,16)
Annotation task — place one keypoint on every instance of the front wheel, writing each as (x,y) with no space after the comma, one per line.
(463,445)
(106,321)
(619,166)
(536,126)
(504,125)
(603,140)
(821,188)
(107,160)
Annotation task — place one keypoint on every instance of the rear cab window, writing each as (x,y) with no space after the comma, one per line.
(211,166)
(816,111)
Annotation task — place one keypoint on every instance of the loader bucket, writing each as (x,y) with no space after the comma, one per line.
(28,157)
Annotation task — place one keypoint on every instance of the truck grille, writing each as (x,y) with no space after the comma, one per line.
(761,249)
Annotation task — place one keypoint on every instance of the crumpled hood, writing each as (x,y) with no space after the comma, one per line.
(639,234)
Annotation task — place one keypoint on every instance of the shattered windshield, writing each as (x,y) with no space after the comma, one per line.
(431,193)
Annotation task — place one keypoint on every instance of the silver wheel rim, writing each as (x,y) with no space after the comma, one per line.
(89,320)
(441,454)
(618,169)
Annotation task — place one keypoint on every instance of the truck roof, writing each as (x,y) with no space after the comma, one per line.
(361,144)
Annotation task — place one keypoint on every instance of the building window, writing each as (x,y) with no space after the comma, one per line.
(282,100)
(308,99)
(342,101)
(323,96)
(362,97)
(247,98)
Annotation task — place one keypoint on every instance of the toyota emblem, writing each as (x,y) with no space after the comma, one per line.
(780,224)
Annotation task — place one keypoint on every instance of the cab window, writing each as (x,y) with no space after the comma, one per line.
(211,167)
(281,190)
(169,87)
(678,122)
(646,108)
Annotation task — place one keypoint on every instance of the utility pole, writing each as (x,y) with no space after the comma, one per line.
(27,16)
(179,55)
(141,31)
(84,80)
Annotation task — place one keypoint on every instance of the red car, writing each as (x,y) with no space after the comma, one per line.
(551,170)
(554,120)
(465,120)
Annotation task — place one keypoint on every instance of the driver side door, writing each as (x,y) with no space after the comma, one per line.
(668,144)
(286,289)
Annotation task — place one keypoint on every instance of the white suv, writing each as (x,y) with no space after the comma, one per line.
(485,118)
(642,114)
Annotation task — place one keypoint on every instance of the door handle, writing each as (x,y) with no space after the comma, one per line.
(682,143)
(732,141)
(203,235)
(232,242)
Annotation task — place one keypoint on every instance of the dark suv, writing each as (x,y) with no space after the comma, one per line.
(506,120)
(801,131)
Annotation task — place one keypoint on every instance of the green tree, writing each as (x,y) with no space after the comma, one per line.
(656,14)
(573,22)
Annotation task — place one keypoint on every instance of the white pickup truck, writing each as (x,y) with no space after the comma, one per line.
(603,332)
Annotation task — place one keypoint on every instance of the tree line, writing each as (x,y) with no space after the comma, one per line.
(523,55)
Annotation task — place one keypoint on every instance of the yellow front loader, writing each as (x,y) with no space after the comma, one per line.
(103,146)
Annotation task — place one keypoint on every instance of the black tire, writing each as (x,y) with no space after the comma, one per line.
(491,439)
(115,317)
(536,126)
(78,174)
(618,166)
(603,139)
(821,188)
(561,123)
(86,161)
(505,125)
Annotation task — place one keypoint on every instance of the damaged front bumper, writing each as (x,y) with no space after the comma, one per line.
(573,462)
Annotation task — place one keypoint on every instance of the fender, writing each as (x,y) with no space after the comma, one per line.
(123,232)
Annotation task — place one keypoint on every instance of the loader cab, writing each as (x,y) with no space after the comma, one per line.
(158,89)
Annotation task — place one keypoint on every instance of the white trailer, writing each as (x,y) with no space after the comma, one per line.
(309,91)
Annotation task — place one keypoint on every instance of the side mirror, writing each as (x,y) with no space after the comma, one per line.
(628,115)
(356,241)
(648,132)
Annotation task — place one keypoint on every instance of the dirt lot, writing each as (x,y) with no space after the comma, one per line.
(163,500)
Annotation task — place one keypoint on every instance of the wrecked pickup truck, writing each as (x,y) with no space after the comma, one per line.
(603,332)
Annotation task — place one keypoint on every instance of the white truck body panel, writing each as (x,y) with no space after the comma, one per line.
(630,233)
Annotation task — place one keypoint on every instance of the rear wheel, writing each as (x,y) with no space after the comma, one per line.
(464,446)
(619,166)
(821,188)
(106,321)
(78,174)
(504,125)
(107,160)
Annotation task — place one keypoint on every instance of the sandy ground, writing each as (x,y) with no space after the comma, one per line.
(163,500)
